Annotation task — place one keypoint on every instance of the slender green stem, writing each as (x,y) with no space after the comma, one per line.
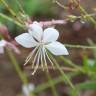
(92,44)
(62,72)
(11,11)
(84,12)
(21,74)
(1,37)
(80,46)
(59,4)
(11,20)
(56,81)
(20,6)
(86,15)
(8,7)
(51,84)
(71,63)
(81,17)
(16,66)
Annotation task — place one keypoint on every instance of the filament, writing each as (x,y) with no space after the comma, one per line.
(37,63)
(35,57)
(41,58)
(49,59)
(30,55)
(45,58)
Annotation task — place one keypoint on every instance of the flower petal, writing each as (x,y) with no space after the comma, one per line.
(26,89)
(1,50)
(50,34)
(57,48)
(36,30)
(26,40)
(3,43)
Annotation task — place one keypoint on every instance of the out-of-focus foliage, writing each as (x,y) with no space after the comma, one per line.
(30,7)
(37,6)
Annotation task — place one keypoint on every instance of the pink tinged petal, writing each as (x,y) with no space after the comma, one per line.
(26,40)
(1,50)
(16,50)
(50,34)
(13,47)
(3,43)
(56,48)
(36,30)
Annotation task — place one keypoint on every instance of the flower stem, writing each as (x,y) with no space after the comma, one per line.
(86,16)
(84,12)
(8,7)
(11,20)
(20,6)
(80,46)
(55,68)
(16,66)
(62,72)
(51,84)
(11,11)
(59,4)
(21,74)
(71,63)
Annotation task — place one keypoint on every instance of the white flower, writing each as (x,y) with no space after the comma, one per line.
(2,45)
(26,89)
(41,41)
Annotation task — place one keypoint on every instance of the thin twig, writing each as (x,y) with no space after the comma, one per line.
(80,46)
(59,4)
(52,22)
(50,80)
(16,66)
(62,72)
(11,20)
(20,6)
(84,12)
(55,68)
(13,13)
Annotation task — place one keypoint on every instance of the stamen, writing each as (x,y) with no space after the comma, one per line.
(41,53)
(45,58)
(35,57)
(37,63)
(49,59)
(30,55)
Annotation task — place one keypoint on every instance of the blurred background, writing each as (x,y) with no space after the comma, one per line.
(75,32)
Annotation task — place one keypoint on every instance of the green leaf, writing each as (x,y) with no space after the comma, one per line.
(87,85)
(85,63)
